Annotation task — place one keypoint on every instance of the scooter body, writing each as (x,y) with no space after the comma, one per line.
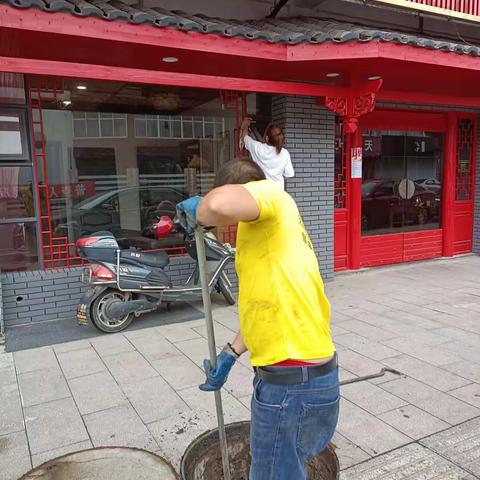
(125,283)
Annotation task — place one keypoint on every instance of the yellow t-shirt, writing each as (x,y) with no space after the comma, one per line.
(284,312)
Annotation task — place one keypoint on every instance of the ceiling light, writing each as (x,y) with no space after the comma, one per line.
(67,102)
(375,77)
(81,87)
(169,59)
(332,74)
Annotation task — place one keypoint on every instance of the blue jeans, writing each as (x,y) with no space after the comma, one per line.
(291,423)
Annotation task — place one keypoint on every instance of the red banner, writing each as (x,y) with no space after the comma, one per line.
(72,190)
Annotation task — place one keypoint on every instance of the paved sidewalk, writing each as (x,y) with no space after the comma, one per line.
(140,389)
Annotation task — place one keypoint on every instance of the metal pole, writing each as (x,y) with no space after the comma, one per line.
(207,307)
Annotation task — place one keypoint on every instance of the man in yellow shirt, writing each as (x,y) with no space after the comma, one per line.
(284,321)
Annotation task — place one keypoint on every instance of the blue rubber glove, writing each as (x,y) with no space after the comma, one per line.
(217,376)
(187,213)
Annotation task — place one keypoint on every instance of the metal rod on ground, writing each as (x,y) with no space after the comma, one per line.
(207,308)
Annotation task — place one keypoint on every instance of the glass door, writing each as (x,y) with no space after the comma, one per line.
(401,181)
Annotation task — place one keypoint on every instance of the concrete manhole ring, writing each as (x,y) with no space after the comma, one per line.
(104,463)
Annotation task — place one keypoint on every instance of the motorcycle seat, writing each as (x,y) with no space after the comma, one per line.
(153,259)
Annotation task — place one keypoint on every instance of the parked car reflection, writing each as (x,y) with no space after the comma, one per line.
(384,208)
(126,212)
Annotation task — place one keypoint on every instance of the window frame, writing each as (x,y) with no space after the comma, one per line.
(23,157)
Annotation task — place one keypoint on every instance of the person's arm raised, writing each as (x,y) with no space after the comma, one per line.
(227,205)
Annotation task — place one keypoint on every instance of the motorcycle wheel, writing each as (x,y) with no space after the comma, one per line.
(225,291)
(99,318)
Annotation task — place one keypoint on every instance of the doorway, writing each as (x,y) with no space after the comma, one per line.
(401,181)
(403,186)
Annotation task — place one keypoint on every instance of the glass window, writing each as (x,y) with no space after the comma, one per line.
(13,137)
(120,155)
(16,193)
(402,181)
(18,247)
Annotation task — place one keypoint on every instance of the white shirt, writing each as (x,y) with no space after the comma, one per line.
(275,165)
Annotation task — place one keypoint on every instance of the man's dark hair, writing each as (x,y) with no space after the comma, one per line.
(238,172)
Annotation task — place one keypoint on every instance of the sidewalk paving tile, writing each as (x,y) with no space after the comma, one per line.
(155,347)
(356,363)
(371,398)
(465,369)
(112,344)
(14,456)
(412,462)
(469,394)
(196,350)
(43,457)
(366,330)
(424,372)
(53,425)
(78,363)
(204,404)
(71,346)
(366,347)
(11,413)
(452,333)
(180,372)
(413,422)
(174,434)
(368,432)
(347,452)
(96,392)
(438,355)
(439,404)
(129,367)
(223,335)
(119,426)
(240,381)
(35,359)
(177,332)
(153,399)
(460,445)
(42,386)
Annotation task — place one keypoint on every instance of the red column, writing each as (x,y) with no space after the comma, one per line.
(448,186)
(354,140)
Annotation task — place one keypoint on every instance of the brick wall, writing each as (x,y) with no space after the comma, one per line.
(309,131)
(54,294)
(40,295)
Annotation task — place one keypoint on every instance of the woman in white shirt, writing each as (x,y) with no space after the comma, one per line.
(272,158)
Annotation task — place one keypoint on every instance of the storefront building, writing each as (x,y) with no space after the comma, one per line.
(112,113)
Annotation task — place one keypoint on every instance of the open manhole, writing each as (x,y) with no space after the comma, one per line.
(105,463)
(202,459)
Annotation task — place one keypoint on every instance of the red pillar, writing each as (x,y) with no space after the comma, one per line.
(448,187)
(354,140)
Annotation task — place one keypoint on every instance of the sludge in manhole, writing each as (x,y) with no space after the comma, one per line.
(202,459)
(105,463)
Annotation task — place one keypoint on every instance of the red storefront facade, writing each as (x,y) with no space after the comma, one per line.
(391,92)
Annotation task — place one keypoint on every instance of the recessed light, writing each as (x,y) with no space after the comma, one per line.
(375,77)
(169,59)
(81,87)
(332,74)
(67,102)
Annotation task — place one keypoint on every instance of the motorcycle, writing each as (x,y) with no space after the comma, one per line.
(127,282)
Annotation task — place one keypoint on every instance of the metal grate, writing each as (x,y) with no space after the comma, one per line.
(340,182)
(465,151)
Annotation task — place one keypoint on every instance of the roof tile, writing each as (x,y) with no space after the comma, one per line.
(291,31)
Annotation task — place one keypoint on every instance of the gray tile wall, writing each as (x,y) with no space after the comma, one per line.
(54,294)
(476,222)
(309,131)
